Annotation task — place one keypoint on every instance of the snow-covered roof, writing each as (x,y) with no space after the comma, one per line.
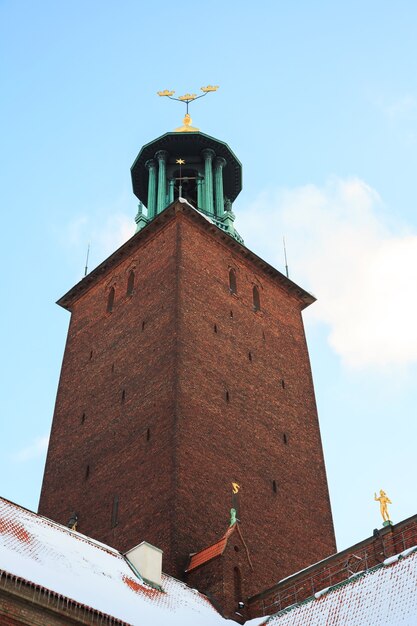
(385,595)
(92,574)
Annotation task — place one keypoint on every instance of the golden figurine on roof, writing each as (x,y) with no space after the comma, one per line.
(383,504)
(187,98)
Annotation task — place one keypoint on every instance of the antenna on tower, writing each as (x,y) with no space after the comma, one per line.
(285,256)
(86,260)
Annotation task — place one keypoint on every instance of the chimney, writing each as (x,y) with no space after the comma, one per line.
(147,561)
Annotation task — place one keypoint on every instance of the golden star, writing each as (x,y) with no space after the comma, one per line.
(180,161)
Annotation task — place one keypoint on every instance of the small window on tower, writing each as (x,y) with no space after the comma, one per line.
(87,471)
(232,281)
(115,512)
(215,328)
(110,300)
(130,283)
(123,395)
(83,418)
(274,486)
(285,438)
(227,396)
(148,434)
(256,299)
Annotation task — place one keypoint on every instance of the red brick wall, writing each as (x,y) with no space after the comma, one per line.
(174,490)
(243,440)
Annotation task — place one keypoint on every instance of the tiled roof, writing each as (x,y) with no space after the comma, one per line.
(211,552)
(385,595)
(93,575)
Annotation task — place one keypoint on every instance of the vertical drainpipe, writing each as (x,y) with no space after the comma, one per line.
(162,156)
(208,155)
(219,164)
(151,167)
(200,192)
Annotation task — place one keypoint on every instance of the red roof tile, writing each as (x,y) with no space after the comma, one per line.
(211,552)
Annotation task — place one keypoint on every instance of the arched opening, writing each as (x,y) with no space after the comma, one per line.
(130,283)
(232,281)
(237,583)
(256,299)
(187,180)
(110,300)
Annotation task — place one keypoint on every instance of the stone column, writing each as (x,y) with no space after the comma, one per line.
(208,155)
(200,192)
(151,167)
(171,185)
(162,156)
(219,164)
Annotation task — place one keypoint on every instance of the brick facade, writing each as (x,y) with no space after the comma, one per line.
(178,391)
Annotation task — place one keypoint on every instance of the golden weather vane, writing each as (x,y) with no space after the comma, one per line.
(187,98)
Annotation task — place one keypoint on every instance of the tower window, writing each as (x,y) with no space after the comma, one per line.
(148,434)
(87,471)
(215,328)
(143,325)
(256,299)
(285,438)
(110,300)
(250,356)
(237,579)
(123,395)
(232,281)
(231,315)
(227,396)
(130,283)
(112,368)
(282,383)
(274,486)
(115,512)
(91,355)
(83,418)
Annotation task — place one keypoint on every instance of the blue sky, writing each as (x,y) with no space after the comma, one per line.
(319,102)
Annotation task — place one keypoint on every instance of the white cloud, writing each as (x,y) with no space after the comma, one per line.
(37,448)
(361,266)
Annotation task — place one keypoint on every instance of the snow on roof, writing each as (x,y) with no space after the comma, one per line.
(67,563)
(385,595)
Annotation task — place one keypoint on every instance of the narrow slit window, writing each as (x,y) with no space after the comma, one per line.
(282,383)
(232,281)
(83,418)
(143,325)
(115,512)
(148,434)
(250,356)
(231,315)
(227,396)
(274,486)
(130,283)
(215,328)
(237,580)
(87,471)
(285,438)
(256,299)
(123,395)
(112,368)
(91,355)
(110,300)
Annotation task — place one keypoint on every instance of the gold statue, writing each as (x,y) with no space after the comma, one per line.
(383,504)
(188,97)
(235,487)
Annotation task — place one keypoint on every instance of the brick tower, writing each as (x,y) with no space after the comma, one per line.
(186,370)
